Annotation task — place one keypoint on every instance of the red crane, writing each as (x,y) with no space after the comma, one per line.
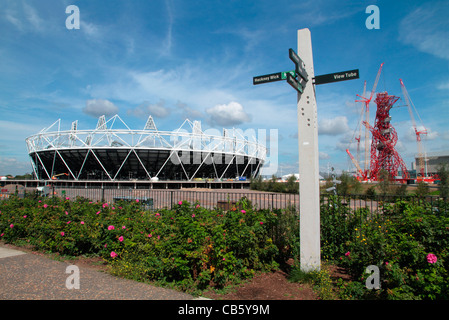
(384,138)
(367,102)
(362,175)
(417,132)
(383,155)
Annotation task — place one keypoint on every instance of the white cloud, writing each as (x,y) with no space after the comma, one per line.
(426,134)
(188,112)
(186,83)
(427,29)
(99,107)
(145,109)
(33,17)
(10,16)
(250,37)
(445,135)
(9,165)
(335,126)
(23,16)
(443,86)
(227,114)
(324,155)
(320,12)
(90,29)
(18,131)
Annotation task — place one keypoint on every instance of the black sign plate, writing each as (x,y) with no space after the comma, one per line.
(298,63)
(268,78)
(295,83)
(338,76)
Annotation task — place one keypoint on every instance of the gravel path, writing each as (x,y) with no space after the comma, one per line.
(28,276)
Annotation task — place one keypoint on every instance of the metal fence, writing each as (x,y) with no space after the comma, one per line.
(379,204)
(167,198)
(226,199)
(159,198)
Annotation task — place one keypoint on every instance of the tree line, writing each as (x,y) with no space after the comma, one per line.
(350,185)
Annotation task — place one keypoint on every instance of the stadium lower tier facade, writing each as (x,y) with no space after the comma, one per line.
(124,164)
(109,153)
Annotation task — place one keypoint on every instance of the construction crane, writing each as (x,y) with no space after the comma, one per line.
(55,177)
(418,133)
(362,175)
(360,128)
(367,102)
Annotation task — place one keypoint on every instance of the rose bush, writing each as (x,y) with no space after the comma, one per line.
(193,247)
(188,245)
(410,248)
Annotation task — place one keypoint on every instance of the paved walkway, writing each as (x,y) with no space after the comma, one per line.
(27,276)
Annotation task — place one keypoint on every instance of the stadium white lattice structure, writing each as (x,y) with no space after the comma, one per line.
(113,151)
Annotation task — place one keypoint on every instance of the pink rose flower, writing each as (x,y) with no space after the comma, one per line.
(347,254)
(243,211)
(113,254)
(431,258)
(11,226)
(120,238)
(45,205)
(111,228)
(180,202)
(82,222)
(62,233)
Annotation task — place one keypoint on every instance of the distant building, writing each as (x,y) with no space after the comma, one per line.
(433,160)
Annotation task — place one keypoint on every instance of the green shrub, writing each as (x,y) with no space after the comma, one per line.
(371,192)
(188,246)
(192,248)
(400,245)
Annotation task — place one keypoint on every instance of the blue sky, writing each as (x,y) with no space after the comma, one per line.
(175,59)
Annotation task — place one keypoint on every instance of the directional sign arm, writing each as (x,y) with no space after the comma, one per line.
(294,83)
(267,78)
(299,64)
(338,76)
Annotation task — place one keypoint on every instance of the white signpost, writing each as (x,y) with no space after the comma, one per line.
(309,188)
(309,192)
